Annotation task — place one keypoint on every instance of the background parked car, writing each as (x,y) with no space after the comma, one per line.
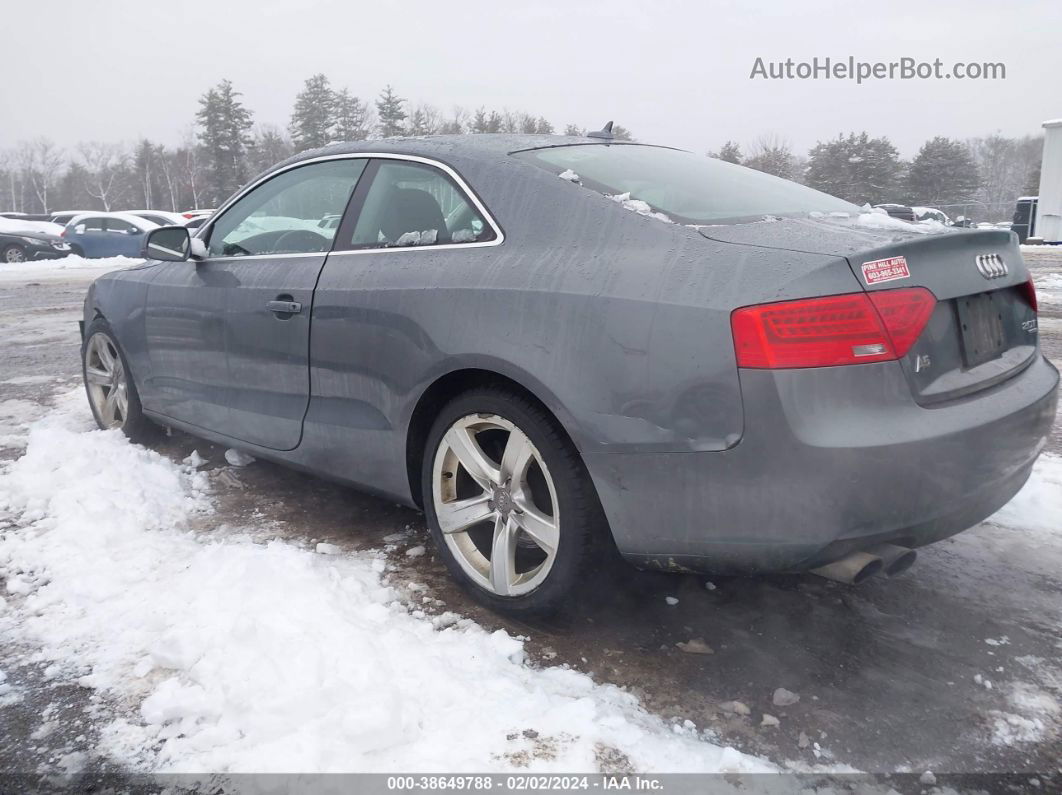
(64,217)
(196,218)
(21,241)
(26,216)
(160,217)
(901,211)
(107,234)
(1024,221)
(931,214)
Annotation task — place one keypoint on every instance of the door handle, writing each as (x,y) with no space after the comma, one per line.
(284,307)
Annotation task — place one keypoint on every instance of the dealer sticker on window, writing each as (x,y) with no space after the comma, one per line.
(885,270)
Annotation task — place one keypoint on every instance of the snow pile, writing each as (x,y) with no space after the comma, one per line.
(882,220)
(69,262)
(17,225)
(1038,506)
(262,657)
(571,176)
(638,206)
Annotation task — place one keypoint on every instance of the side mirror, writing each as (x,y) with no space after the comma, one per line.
(169,243)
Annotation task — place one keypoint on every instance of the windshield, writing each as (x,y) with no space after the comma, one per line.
(687,188)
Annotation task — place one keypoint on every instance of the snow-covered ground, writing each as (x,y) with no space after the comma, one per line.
(236,651)
(50,269)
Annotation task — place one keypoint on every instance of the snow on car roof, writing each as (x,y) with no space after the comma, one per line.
(135,220)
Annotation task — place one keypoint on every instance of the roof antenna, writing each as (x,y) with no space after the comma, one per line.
(605,132)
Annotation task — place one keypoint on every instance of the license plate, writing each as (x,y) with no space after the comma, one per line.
(981,319)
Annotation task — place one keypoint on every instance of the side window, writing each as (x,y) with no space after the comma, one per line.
(91,224)
(411,204)
(121,227)
(284,215)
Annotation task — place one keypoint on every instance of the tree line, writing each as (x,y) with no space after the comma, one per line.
(981,177)
(224,146)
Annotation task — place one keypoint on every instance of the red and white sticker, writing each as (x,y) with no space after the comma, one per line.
(885,270)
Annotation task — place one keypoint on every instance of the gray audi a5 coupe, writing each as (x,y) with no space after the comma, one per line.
(558,347)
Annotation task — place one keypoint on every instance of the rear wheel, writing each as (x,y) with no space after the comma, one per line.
(13,253)
(112,394)
(509,503)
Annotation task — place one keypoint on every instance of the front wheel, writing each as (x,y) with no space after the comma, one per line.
(13,253)
(509,503)
(112,394)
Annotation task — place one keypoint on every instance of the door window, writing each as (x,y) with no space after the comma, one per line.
(121,227)
(411,204)
(284,215)
(90,225)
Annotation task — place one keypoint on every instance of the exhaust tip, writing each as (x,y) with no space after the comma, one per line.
(896,559)
(868,571)
(852,569)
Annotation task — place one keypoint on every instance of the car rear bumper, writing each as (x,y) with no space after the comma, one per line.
(832,460)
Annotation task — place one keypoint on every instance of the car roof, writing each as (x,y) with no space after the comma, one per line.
(477,146)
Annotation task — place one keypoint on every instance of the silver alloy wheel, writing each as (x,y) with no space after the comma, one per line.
(14,254)
(105,379)
(499,516)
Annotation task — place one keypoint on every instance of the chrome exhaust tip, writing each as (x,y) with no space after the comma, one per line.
(852,569)
(896,559)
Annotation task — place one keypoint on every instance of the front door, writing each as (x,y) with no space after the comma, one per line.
(250,302)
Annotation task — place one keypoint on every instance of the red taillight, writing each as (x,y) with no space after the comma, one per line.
(63,233)
(1029,291)
(840,329)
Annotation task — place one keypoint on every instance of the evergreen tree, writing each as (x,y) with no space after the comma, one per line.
(856,167)
(268,148)
(772,156)
(391,114)
(621,133)
(943,172)
(223,124)
(314,115)
(351,117)
(424,121)
(730,152)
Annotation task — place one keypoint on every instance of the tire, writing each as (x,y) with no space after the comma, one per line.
(547,516)
(13,253)
(112,394)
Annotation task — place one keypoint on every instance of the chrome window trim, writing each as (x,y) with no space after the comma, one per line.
(470,195)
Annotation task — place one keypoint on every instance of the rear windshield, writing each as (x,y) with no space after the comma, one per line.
(687,188)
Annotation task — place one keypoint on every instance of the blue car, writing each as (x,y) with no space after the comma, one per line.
(107,234)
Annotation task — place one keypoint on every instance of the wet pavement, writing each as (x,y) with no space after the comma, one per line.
(891,675)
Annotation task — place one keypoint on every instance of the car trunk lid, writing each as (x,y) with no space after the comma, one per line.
(983,328)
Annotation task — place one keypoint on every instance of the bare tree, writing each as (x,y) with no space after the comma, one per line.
(191,167)
(9,169)
(41,162)
(771,153)
(456,124)
(168,167)
(425,120)
(104,175)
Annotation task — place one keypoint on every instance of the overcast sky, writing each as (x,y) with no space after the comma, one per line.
(673,72)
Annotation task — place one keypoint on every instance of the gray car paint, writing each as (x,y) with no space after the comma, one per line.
(620,325)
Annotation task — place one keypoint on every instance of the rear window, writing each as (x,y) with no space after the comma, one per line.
(687,188)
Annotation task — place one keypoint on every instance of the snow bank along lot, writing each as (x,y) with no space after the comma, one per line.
(205,646)
(235,652)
